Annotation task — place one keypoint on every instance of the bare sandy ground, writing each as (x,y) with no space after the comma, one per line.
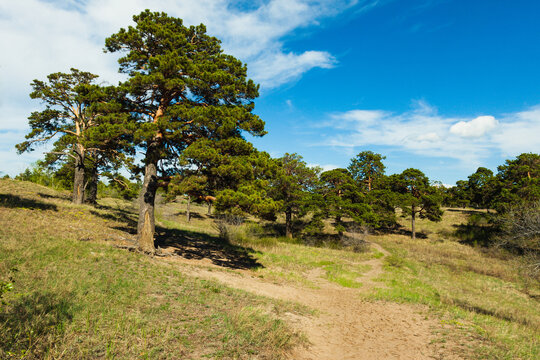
(345,326)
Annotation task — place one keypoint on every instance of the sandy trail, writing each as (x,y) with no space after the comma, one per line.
(345,327)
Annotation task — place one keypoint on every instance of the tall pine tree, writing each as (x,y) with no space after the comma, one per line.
(181,88)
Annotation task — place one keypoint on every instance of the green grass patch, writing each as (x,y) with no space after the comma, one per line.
(74,296)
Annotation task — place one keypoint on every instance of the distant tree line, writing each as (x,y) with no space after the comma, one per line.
(517,183)
(511,198)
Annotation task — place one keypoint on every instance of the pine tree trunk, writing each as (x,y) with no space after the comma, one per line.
(146,225)
(91,188)
(78,179)
(288,223)
(413,216)
(188,209)
(209,208)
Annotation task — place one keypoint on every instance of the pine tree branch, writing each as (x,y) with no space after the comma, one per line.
(44,138)
(61,153)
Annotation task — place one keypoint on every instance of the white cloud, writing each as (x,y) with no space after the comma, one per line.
(430,137)
(475,128)
(40,37)
(324,167)
(424,132)
(277,68)
(361,116)
(519,133)
(49,36)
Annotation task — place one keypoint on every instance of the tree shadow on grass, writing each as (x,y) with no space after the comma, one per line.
(198,246)
(475,235)
(192,214)
(56,196)
(466,211)
(185,243)
(33,323)
(15,201)
(118,215)
(402,231)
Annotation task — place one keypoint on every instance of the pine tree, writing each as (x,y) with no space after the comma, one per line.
(236,175)
(517,182)
(76,110)
(418,198)
(342,198)
(366,168)
(291,185)
(181,88)
(480,185)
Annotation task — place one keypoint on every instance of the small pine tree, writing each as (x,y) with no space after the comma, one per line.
(417,198)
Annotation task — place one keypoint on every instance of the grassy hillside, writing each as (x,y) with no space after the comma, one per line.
(80,293)
(76,296)
(483,293)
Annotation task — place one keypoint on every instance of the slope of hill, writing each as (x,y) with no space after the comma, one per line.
(80,293)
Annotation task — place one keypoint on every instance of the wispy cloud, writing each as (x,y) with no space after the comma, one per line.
(423,131)
(48,36)
(40,37)
(325,167)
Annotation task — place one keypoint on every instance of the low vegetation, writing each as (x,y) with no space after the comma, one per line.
(76,296)
(482,293)
(481,290)
(77,291)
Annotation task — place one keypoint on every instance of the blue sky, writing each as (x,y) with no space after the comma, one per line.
(444,86)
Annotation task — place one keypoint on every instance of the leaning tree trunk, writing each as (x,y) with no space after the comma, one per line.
(413,215)
(78,179)
(288,223)
(92,187)
(146,225)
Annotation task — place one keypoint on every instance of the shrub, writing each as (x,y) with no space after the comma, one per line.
(520,231)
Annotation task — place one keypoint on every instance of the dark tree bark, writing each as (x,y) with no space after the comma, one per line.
(146,225)
(78,179)
(92,186)
(288,223)
(413,216)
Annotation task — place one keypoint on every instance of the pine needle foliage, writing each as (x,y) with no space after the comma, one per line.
(181,88)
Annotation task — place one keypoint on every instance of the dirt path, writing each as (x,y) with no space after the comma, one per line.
(345,327)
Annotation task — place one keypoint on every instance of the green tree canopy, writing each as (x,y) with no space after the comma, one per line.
(366,168)
(291,186)
(81,115)
(518,182)
(417,198)
(481,187)
(340,197)
(181,88)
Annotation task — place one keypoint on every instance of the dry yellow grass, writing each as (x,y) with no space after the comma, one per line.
(75,296)
(63,251)
(480,289)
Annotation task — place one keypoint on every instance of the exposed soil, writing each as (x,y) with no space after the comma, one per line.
(345,325)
